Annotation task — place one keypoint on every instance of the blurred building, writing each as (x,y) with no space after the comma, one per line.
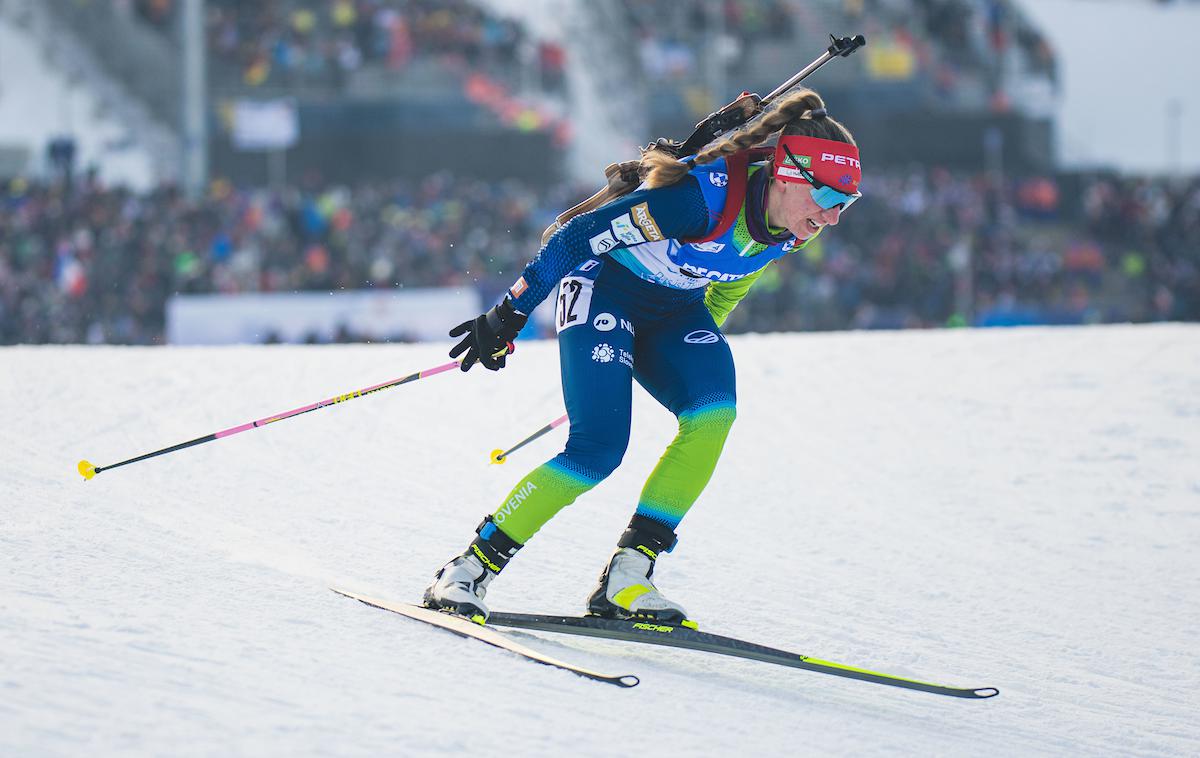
(378,88)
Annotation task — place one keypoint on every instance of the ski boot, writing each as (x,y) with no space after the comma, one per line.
(625,590)
(460,586)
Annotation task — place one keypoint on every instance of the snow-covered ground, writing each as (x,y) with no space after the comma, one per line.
(1018,509)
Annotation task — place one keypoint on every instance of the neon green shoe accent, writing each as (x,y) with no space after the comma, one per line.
(643,549)
(690,624)
(537,498)
(625,597)
(478,619)
(688,463)
(484,559)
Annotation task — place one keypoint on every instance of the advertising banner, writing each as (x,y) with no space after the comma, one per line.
(410,315)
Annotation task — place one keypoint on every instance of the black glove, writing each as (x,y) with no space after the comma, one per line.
(488,338)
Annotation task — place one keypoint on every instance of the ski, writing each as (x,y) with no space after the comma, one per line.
(464,627)
(692,639)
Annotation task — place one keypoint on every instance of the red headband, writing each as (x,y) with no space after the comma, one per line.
(831,162)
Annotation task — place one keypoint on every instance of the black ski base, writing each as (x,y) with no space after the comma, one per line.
(670,635)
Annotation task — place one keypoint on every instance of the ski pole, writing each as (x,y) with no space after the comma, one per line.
(87,470)
(499,456)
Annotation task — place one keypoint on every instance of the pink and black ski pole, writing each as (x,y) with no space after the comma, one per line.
(88,470)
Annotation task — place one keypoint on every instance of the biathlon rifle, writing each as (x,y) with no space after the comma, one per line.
(623,178)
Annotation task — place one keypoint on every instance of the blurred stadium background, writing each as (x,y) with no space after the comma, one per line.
(213,171)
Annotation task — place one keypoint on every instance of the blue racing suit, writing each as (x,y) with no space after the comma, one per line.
(631,304)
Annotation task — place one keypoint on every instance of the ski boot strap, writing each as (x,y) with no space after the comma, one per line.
(492,547)
(646,535)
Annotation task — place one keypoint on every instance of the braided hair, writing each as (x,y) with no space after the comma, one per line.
(799,112)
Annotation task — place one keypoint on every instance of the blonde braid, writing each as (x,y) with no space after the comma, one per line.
(659,169)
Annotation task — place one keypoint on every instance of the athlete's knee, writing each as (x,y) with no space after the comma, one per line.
(597,464)
(595,458)
(711,419)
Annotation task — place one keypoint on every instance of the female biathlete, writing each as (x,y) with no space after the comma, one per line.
(644,284)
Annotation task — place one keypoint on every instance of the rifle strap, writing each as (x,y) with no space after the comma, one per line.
(622,179)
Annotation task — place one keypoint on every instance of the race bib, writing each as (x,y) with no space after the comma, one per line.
(574,302)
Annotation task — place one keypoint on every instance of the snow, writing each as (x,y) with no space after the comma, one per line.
(1018,509)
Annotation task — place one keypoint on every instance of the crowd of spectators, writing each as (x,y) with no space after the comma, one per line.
(928,247)
(954,47)
(953,42)
(674,38)
(974,55)
(931,247)
(296,43)
(87,263)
